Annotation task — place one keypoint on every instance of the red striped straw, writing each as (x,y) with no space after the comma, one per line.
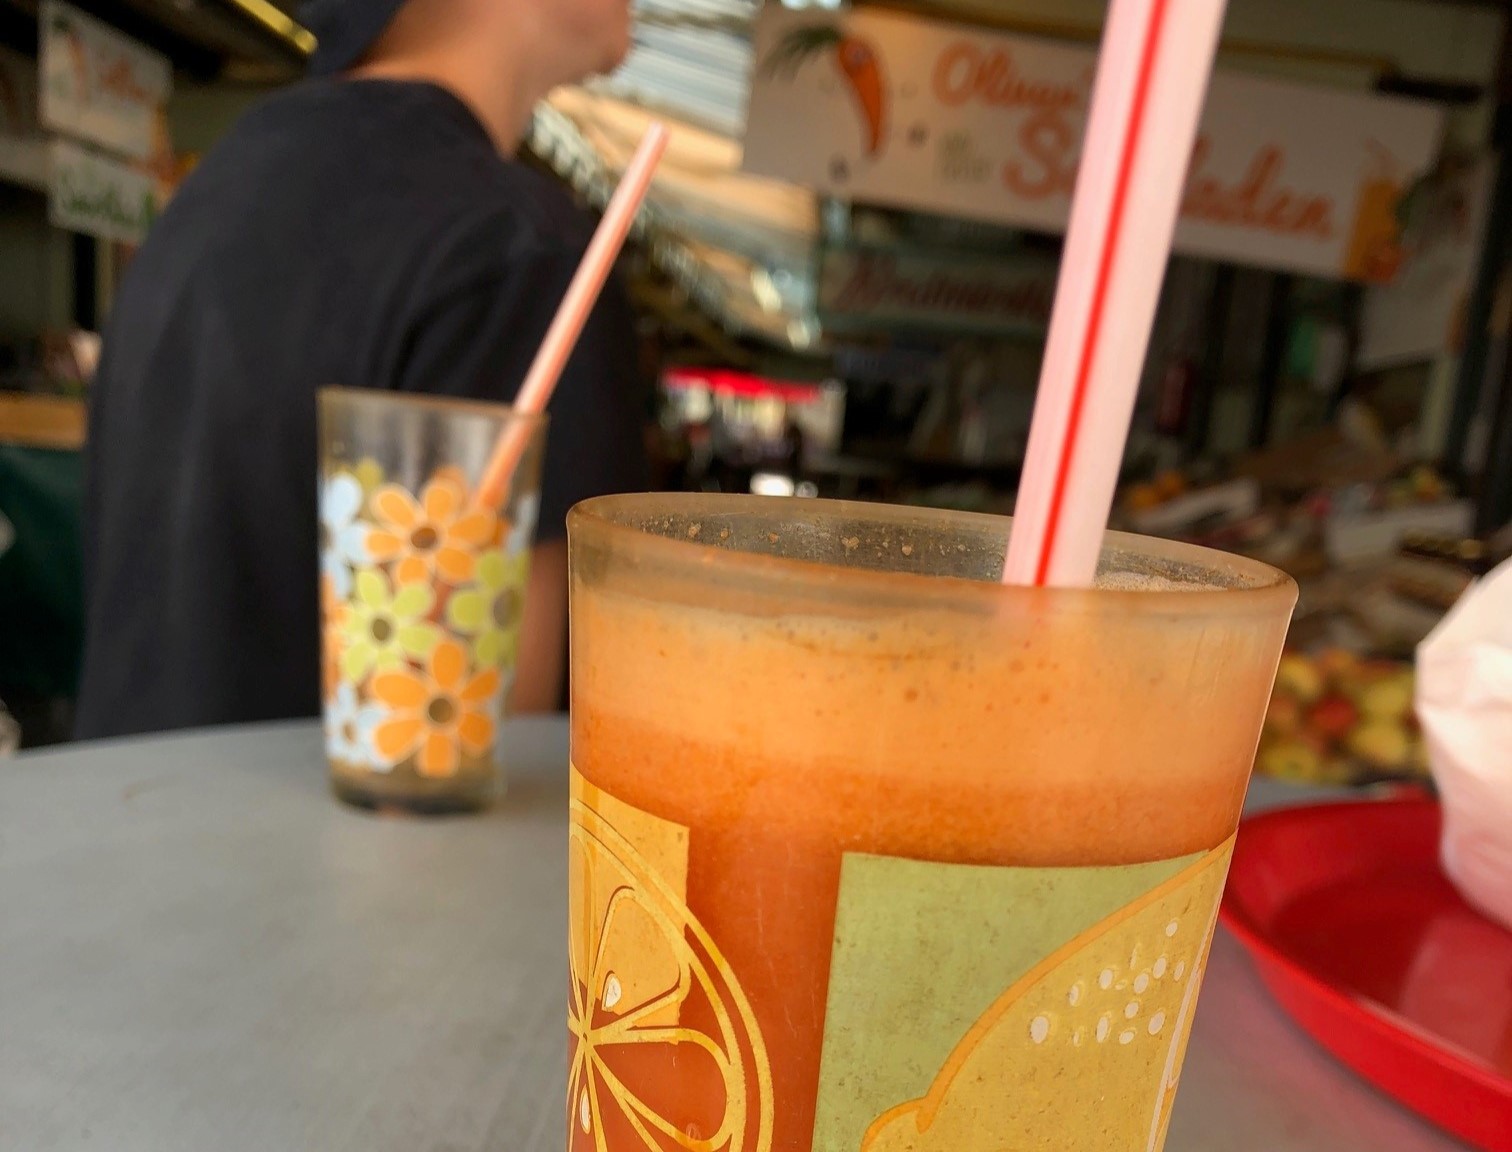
(1152,73)
(572,314)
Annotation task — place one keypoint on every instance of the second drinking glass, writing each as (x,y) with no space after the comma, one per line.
(422,592)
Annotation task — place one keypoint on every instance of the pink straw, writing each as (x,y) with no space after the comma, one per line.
(1151,76)
(572,314)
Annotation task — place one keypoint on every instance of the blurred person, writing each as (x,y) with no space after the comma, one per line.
(367,227)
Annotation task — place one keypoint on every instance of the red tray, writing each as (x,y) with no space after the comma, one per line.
(1363,940)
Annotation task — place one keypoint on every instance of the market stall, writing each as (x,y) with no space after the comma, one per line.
(1303,400)
(844,275)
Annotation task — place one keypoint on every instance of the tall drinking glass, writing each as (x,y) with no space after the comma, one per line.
(421,596)
(869,852)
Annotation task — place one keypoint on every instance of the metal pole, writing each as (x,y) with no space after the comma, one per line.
(1498,240)
(1494,508)
(1210,369)
(1478,337)
(1272,357)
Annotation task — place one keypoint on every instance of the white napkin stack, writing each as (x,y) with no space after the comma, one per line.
(1464,701)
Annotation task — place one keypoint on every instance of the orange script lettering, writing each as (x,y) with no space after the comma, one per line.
(1258,200)
(966,72)
(1047,166)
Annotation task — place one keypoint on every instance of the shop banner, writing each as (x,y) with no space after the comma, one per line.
(896,110)
(862,289)
(99,85)
(98,195)
(1418,316)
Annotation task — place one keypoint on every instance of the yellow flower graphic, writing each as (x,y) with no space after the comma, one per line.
(490,610)
(383,626)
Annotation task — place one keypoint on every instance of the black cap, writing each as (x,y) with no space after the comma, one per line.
(344,30)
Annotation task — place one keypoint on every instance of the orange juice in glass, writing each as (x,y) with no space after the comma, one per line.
(871,852)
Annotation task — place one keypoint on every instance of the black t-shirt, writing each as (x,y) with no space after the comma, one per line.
(363,233)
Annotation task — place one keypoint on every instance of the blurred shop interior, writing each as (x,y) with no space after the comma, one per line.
(853,302)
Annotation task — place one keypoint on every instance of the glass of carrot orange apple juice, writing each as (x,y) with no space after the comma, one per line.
(872,853)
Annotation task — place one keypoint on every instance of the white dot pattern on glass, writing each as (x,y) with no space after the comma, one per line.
(585,1115)
(612,991)
(1130,986)
(1114,1001)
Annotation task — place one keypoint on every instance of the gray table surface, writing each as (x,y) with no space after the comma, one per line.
(200,950)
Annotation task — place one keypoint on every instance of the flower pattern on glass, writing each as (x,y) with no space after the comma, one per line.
(436,715)
(438,536)
(490,610)
(369,474)
(421,594)
(385,625)
(333,618)
(349,728)
(343,541)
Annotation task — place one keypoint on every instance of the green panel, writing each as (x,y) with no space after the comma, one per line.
(41,581)
(923,950)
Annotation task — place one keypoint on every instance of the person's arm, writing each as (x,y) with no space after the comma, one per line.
(542,660)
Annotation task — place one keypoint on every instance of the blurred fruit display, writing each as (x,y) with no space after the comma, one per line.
(1336,718)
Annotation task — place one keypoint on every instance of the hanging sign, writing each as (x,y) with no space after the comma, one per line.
(880,289)
(944,118)
(1418,315)
(98,195)
(99,85)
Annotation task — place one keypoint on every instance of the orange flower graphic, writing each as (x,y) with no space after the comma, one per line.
(333,613)
(438,713)
(437,537)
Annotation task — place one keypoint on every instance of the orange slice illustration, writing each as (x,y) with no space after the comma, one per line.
(1084,1050)
(665,1054)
